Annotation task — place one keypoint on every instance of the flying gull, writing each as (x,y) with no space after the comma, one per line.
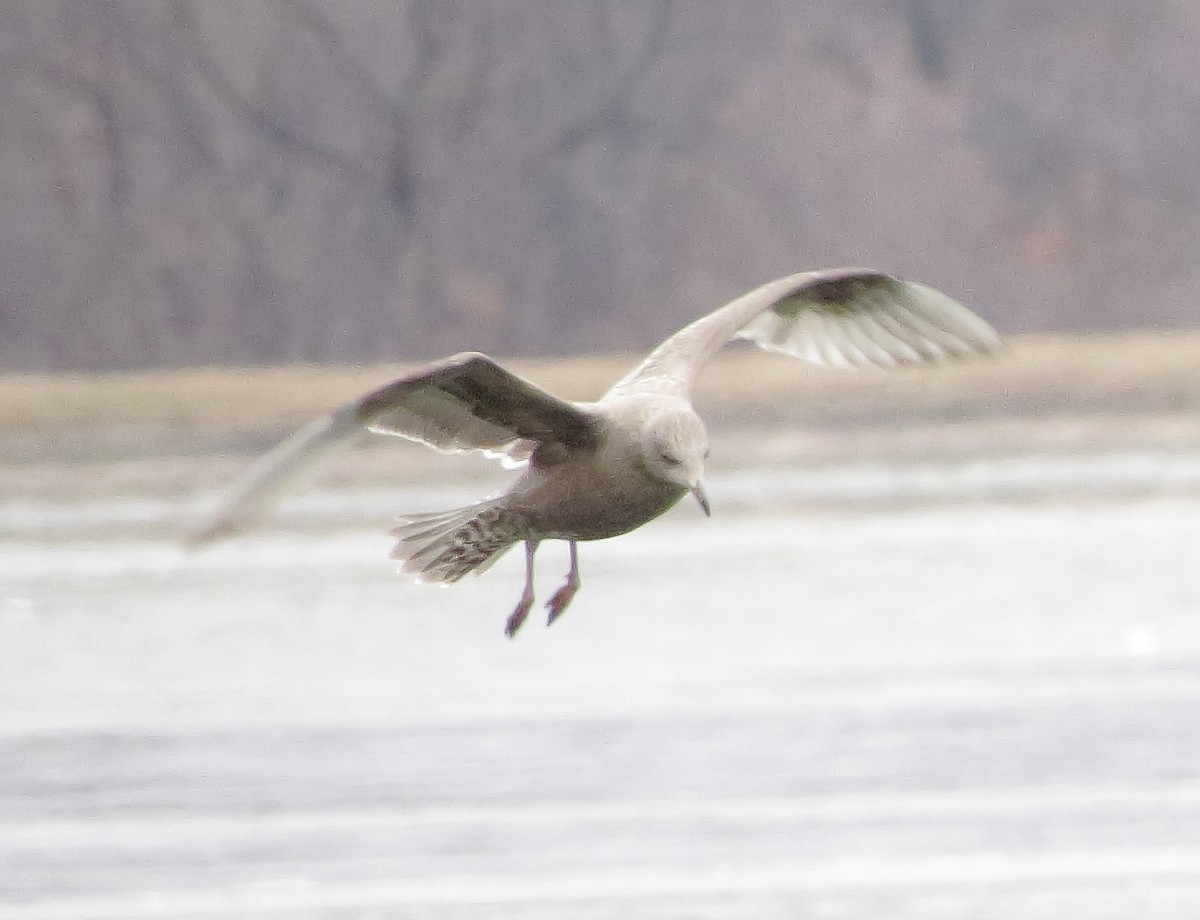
(601,469)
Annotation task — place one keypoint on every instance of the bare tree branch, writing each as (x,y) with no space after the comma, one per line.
(261,117)
(610,111)
(169,81)
(101,102)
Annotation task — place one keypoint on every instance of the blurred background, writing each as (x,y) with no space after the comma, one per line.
(252,182)
(936,655)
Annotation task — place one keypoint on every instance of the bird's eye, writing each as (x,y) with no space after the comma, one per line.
(668,459)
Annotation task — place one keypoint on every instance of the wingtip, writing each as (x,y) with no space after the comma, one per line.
(974,334)
(205,535)
(215,527)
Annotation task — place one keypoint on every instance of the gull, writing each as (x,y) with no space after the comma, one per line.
(593,470)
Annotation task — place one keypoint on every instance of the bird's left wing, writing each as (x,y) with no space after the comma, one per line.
(848,317)
(844,317)
(463,403)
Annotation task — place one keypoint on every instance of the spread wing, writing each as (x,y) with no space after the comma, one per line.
(463,403)
(852,317)
(842,317)
(469,402)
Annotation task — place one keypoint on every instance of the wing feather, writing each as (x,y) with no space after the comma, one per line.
(469,402)
(466,402)
(842,317)
(896,350)
(855,317)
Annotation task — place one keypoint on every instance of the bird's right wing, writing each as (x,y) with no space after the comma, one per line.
(463,403)
(469,402)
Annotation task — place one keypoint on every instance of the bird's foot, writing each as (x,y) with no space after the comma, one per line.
(558,603)
(517,617)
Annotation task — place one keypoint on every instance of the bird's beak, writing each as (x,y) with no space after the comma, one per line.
(698,491)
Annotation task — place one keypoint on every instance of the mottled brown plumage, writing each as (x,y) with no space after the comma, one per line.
(601,469)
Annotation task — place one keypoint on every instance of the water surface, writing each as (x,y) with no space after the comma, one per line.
(863,699)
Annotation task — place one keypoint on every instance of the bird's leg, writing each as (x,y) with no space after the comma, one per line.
(522,610)
(558,603)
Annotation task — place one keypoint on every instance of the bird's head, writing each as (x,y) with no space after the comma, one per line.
(674,448)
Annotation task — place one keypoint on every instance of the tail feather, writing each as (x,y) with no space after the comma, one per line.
(420,533)
(444,546)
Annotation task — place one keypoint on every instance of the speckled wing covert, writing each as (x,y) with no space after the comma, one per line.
(462,403)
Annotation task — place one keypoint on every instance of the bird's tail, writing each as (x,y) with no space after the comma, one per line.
(444,546)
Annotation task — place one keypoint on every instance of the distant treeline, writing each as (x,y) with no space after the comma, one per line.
(193,183)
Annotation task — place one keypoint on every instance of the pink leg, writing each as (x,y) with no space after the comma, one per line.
(558,603)
(518,616)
